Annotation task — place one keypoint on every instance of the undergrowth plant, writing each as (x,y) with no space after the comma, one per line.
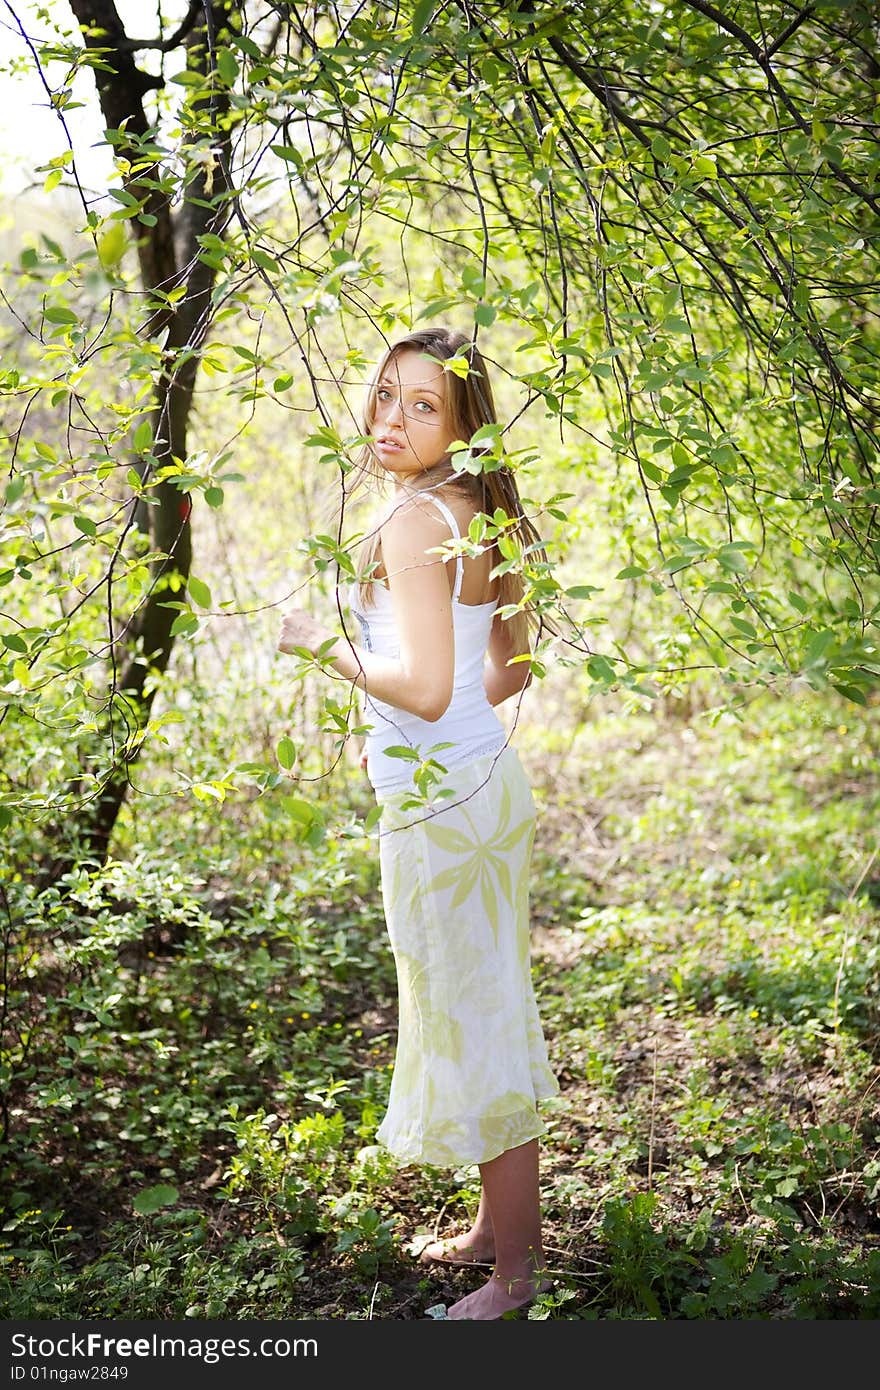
(197,1048)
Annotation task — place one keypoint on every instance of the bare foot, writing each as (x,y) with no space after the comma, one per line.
(497,1297)
(469,1249)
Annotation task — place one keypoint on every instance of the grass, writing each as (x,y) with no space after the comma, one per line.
(198,1044)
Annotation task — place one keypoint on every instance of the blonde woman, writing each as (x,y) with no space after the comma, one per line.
(435,656)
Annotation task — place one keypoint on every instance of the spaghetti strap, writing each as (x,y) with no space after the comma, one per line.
(459,562)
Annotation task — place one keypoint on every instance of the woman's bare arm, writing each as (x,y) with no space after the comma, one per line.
(500,681)
(420,680)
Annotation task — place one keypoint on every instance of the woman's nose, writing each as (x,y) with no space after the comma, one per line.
(393,411)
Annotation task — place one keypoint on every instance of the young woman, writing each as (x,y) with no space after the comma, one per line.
(435,657)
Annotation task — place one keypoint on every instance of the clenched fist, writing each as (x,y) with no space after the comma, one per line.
(300,629)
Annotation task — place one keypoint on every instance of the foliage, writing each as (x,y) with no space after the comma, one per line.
(663,231)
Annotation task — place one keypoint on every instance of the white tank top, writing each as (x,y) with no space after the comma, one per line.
(469,724)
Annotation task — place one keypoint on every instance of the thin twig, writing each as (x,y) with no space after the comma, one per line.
(653,1115)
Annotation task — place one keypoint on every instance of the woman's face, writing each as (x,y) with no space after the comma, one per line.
(411,429)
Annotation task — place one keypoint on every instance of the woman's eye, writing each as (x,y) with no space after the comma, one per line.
(426,404)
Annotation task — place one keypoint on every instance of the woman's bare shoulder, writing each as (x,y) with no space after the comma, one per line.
(462,505)
(413,515)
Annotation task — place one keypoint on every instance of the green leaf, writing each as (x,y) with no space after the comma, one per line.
(246,45)
(214,496)
(851,692)
(122,195)
(422,13)
(152,1199)
(485,432)
(818,647)
(301,810)
(730,557)
(199,591)
(600,668)
(289,153)
(227,66)
(679,476)
(185,623)
(142,439)
(286,752)
(112,244)
(263,261)
(86,525)
(208,791)
(438,306)
(56,313)
(459,365)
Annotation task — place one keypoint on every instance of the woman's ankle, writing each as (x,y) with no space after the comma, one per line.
(482,1233)
(521,1275)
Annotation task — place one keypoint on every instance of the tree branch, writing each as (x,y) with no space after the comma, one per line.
(787,32)
(166,45)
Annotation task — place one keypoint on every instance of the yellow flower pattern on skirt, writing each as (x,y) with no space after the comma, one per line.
(471,1063)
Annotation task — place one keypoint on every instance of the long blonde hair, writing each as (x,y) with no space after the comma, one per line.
(469,405)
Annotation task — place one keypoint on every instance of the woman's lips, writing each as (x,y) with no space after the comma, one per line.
(390,445)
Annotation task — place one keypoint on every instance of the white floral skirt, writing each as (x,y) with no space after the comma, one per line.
(471,1063)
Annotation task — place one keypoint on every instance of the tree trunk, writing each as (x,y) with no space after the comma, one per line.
(169,256)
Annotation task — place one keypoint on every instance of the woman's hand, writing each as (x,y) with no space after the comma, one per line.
(300,629)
